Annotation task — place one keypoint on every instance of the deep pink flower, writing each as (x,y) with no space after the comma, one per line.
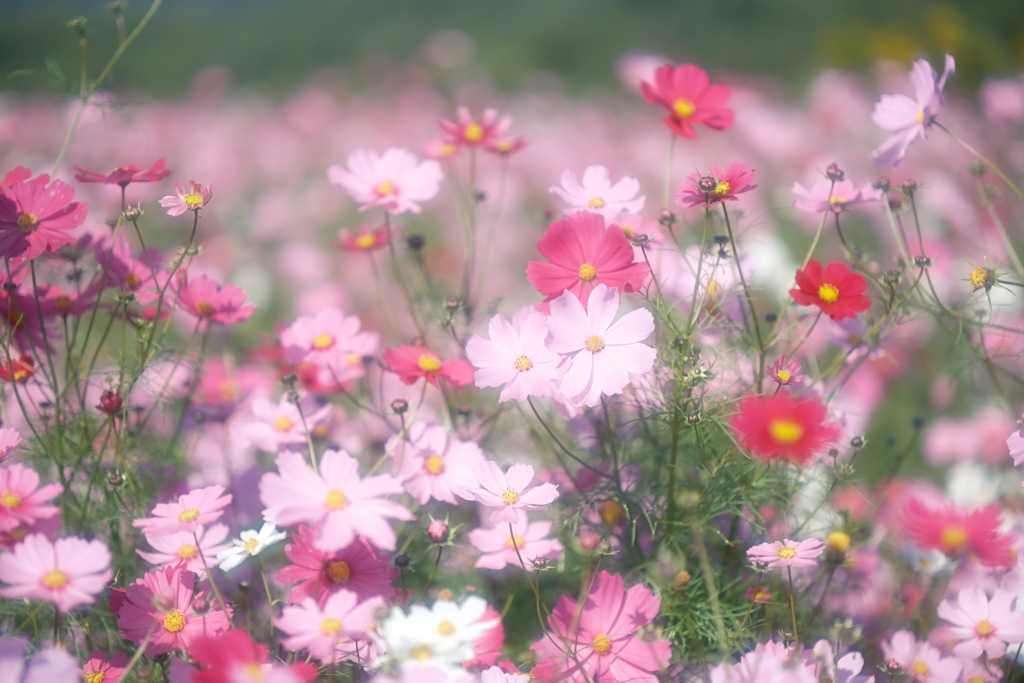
(497,550)
(321,629)
(336,500)
(431,463)
(56,302)
(508,492)
(127,272)
(908,119)
(198,507)
(787,553)
(234,657)
(487,648)
(35,216)
(358,567)
(602,636)
(597,194)
(983,625)
(955,532)
(364,239)
(728,182)
(781,427)
(196,198)
(785,370)
(486,133)
(206,300)
(122,175)
(834,288)
(584,254)
(22,501)
(67,572)
(413,363)
(826,195)
(395,180)
(690,98)
(181,548)
(103,668)
(920,661)
(16,175)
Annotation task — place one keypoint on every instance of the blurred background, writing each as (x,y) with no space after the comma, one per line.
(275,45)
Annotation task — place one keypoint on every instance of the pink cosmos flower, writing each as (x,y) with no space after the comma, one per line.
(413,363)
(1015,443)
(486,132)
(829,666)
(496,675)
(729,182)
(515,355)
(196,198)
(597,194)
(433,464)
(67,572)
(907,118)
(823,195)
(234,657)
(602,637)
(508,492)
(181,548)
(358,567)
(277,426)
(122,175)
(920,661)
(603,356)
(45,666)
(57,303)
(21,498)
(198,507)
(955,532)
(206,300)
(983,625)
(329,340)
(787,553)
(320,630)
(785,371)
(495,544)
(690,98)
(770,662)
(103,668)
(160,605)
(394,181)
(364,239)
(584,254)
(336,499)
(10,439)
(16,175)
(35,216)
(130,273)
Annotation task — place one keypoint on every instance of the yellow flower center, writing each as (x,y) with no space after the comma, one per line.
(55,579)
(784,375)
(683,108)
(254,671)
(722,188)
(339,571)
(838,540)
(132,280)
(385,187)
(445,595)
(421,652)
(836,200)
(520,542)
(329,627)
(204,308)
(954,537)
(985,628)
(981,277)
(785,431)
(596,203)
(27,221)
(602,644)
(187,552)
(594,343)
(95,677)
(62,303)
(474,132)
(587,272)
(787,553)
(523,364)
(336,499)
(611,512)
(429,362)
(174,621)
(448,149)
(189,515)
(252,544)
(445,628)
(920,116)
(828,293)
(10,500)
(509,497)
(434,464)
(282,423)
(322,341)
(920,669)
(193,200)
(366,241)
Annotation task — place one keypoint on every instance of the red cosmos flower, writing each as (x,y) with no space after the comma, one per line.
(122,175)
(486,132)
(687,93)
(364,239)
(955,532)
(728,182)
(780,427)
(413,363)
(835,289)
(234,656)
(584,254)
(35,216)
(20,368)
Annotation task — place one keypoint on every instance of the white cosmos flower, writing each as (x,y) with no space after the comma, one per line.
(250,544)
(597,193)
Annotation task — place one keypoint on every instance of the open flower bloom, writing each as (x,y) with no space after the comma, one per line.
(250,544)
(22,500)
(467,131)
(781,427)
(206,300)
(432,463)
(45,666)
(787,553)
(196,198)
(515,356)
(689,96)
(825,195)
(921,661)
(596,193)
(785,371)
(10,439)
(331,341)
(835,289)
(67,572)
(358,567)
(909,118)
(955,532)
(101,668)
(123,175)
(36,216)
(413,363)
(508,492)
(278,426)
(395,180)
(498,550)
(233,657)
(363,239)
(182,548)
(982,625)
(196,508)
(729,182)
(321,629)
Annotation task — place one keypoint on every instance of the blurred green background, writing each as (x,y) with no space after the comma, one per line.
(274,45)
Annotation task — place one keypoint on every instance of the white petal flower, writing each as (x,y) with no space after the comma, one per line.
(251,544)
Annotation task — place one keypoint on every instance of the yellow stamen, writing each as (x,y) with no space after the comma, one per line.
(10,500)
(434,464)
(683,108)
(474,132)
(204,308)
(602,644)
(784,375)
(985,628)
(189,515)
(828,293)
(445,628)
(520,542)
(366,241)
(252,544)
(587,272)
(596,203)
(187,552)
(982,277)
(385,187)
(55,579)
(509,497)
(838,540)
(421,652)
(920,116)
(95,677)
(523,364)
(785,432)
(722,188)
(954,537)
(283,423)
(920,669)
(193,200)
(336,499)
(174,621)
(339,571)
(62,303)
(322,341)
(429,362)
(787,553)
(594,343)
(836,200)
(27,222)
(330,626)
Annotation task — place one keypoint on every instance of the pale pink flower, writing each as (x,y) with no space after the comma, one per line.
(508,492)
(830,667)
(67,572)
(909,118)
(495,544)
(9,440)
(198,507)
(181,548)
(329,340)
(196,198)
(770,662)
(515,355)
(278,426)
(206,300)
(603,356)
(824,195)
(1015,442)
(785,370)
(982,625)
(321,630)
(496,675)
(335,499)
(394,180)
(787,553)
(45,666)
(22,500)
(596,193)
(920,661)
(433,464)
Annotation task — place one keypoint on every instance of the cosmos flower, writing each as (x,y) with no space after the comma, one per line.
(833,196)
(22,500)
(103,668)
(433,464)
(920,661)
(234,657)
(727,183)
(413,363)
(196,198)
(497,550)
(907,118)
(955,532)
(36,216)
(319,630)
(123,175)
(982,626)
(834,288)
(187,548)
(358,567)
(198,507)
(785,371)
(364,239)
(597,194)
(508,492)
(781,427)
(787,553)
(206,300)
(487,132)
(689,96)
(394,180)
(67,572)
(516,356)
(250,544)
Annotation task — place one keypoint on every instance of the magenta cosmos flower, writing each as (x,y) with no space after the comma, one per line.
(22,500)
(515,356)
(321,629)
(103,668)
(67,572)
(413,363)
(206,300)
(690,98)
(787,553)
(497,550)
(181,548)
(234,657)
(603,355)
(508,492)
(198,507)
(130,273)
(35,216)
(602,635)
(907,118)
(395,180)
(982,625)
(921,661)
(358,567)
(122,175)
(584,254)
(335,499)
(825,195)
(181,201)
(433,464)
(160,605)
(723,184)
(785,371)
(597,193)
(466,131)
(363,239)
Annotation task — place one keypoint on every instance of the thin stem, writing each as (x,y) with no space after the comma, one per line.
(709,583)
(559,443)
(213,584)
(270,597)
(792,605)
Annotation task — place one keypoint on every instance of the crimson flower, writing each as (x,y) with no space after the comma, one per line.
(122,175)
(781,427)
(727,183)
(234,656)
(955,532)
(834,288)
(413,363)
(21,369)
(690,98)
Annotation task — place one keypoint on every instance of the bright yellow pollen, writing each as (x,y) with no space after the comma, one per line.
(836,200)
(254,671)
(594,343)
(683,108)
(954,537)
(596,203)
(520,542)
(428,362)
(722,188)
(283,423)
(174,621)
(55,579)
(445,628)
(366,241)
(339,571)
(27,221)
(985,628)
(10,500)
(421,652)
(445,595)
(385,187)
(920,116)
(336,499)
(204,308)
(509,497)
(523,364)
(330,626)
(193,200)
(981,277)
(602,644)
(787,553)
(784,375)
(785,432)
(353,359)
(474,132)
(587,272)
(252,544)
(187,552)
(838,540)
(434,464)
(95,677)
(322,341)
(828,293)
(189,515)
(920,669)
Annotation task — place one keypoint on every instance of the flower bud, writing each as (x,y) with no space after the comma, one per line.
(437,531)
(415,242)
(834,173)
(402,561)
(857,442)
(539,563)
(882,184)
(200,606)
(589,540)
(836,545)
(922,261)
(133,213)
(666,217)
(707,184)
(110,403)
(289,379)
(681,582)
(399,406)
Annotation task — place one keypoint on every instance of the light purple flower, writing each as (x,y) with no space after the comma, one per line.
(823,195)
(909,118)
(982,625)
